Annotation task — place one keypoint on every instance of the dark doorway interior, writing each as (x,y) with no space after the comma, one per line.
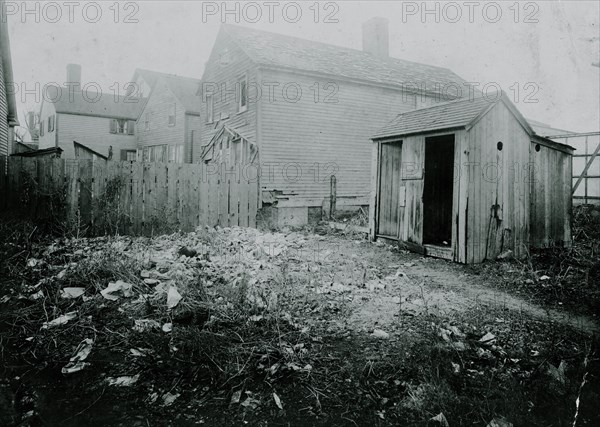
(438,190)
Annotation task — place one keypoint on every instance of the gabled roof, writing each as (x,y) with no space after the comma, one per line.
(185,90)
(68,101)
(280,51)
(450,115)
(149,76)
(5,58)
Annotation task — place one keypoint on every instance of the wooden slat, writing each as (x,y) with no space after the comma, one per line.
(137,197)
(253,202)
(243,189)
(85,193)
(125,198)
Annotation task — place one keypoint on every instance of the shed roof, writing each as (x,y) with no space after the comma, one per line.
(448,115)
(277,50)
(455,115)
(69,101)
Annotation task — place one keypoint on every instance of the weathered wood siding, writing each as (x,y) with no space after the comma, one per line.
(93,132)
(158,108)
(307,135)
(551,201)
(221,79)
(497,187)
(3,114)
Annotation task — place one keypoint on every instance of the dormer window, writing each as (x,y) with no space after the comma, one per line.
(172,111)
(225,58)
(242,94)
(210,108)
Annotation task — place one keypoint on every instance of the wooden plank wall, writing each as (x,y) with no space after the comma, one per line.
(497,187)
(551,201)
(128,197)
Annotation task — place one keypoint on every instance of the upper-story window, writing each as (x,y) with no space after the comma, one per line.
(172,111)
(225,58)
(41,128)
(51,123)
(242,94)
(210,108)
(122,126)
(147,121)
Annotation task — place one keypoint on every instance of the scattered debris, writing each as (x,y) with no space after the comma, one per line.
(115,288)
(65,318)
(142,325)
(76,363)
(124,381)
(378,333)
(488,339)
(72,293)
(441,420)
(506,255)
(173,297)
(169,398)
(277,401)
(167,327)
(499,422)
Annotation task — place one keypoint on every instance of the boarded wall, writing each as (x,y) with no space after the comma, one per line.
(128,197)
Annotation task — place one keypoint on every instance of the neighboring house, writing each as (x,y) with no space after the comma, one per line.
(142,82)
(468,181)
(310,109)
(8,108)
(103,123)
(170,120)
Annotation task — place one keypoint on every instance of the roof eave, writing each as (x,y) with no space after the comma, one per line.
(400,86)
(396,136)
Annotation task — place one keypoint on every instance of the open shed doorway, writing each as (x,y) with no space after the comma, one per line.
(438,190)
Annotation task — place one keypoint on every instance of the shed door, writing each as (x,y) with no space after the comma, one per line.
(390,160)
(438,190)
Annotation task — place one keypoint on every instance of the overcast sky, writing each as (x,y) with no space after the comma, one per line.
(548,61)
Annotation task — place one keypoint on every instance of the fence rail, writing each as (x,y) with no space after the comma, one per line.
(586,165)
(128,197)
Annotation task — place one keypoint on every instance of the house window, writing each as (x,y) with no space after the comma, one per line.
(172,115)
(145,154)
(122,126)
(128,155)
(51,123)
(42,128)
(242,94)
(210,108)
(147,122)
(225,58)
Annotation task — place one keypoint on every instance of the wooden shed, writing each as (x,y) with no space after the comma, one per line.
(469,180)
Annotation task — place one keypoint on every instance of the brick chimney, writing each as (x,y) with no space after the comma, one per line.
(376,37)
(74,75)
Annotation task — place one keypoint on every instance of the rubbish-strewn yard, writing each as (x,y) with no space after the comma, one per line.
(311,327)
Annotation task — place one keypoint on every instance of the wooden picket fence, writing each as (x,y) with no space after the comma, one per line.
(129,197)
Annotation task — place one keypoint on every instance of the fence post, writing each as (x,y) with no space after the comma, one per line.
(332,196)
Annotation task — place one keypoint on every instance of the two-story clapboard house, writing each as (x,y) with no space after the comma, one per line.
(305,111)
(170,119)
(88,124)
(8,110)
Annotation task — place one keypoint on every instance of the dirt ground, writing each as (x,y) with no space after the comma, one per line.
(247,327)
